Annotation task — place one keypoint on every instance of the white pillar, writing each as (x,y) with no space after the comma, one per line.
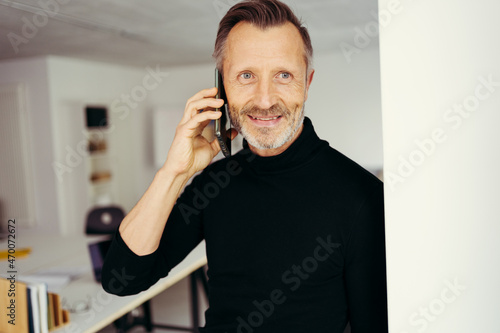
(440,73)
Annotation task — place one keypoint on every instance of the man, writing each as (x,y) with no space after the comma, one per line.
(294,230)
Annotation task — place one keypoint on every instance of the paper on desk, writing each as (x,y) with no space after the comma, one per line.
(55,278)
(54,283)
(72,271)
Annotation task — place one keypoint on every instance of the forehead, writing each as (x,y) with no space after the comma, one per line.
(248,44)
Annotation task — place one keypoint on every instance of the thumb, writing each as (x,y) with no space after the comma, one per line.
(215,147)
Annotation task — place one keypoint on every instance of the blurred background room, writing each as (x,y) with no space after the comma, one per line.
(91,93)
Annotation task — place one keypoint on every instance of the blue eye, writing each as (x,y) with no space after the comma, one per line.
(285,75)
(246,76)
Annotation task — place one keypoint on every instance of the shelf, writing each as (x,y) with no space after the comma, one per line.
(99,154)
(102,176)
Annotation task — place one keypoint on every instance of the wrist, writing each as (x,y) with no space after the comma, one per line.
(172,178)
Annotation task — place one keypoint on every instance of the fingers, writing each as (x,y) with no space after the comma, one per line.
(200,101)
(198,122)
(215,145)
(203,104)
(210,92)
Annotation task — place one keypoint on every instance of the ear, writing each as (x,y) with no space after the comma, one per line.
(310,76)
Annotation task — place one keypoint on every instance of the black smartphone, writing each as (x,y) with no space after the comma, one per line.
(223,124)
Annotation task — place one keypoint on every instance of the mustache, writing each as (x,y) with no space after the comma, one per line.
(275,110)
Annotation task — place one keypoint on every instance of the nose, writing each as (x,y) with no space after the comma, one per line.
(265,95)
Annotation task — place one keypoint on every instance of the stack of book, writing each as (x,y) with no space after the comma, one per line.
(29,308)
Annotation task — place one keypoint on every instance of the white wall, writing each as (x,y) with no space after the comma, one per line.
(33,74)
(344,104)
(75,84)
(441,165)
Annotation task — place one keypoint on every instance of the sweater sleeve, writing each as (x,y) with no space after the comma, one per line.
(365,274)
(126,273)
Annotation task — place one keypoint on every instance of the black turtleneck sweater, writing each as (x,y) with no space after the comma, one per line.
(295,242)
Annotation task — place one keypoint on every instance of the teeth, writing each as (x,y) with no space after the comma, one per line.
(265,118)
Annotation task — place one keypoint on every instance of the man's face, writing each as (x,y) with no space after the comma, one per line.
(266,83)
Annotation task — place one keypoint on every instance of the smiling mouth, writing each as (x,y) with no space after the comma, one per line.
(265,118)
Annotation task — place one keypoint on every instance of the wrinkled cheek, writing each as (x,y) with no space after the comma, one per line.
(236,119)
(298,112)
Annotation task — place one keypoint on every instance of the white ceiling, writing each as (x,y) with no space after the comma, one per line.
(147,32)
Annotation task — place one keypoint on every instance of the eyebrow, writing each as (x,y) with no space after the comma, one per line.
(279,69)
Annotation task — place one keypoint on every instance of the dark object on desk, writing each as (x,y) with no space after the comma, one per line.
(97,254)
(104,220)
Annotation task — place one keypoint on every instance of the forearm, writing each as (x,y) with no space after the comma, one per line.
(142,228)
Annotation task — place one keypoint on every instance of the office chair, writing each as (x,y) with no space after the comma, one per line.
(105,221)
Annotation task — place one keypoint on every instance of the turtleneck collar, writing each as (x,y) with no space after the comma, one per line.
(300,152)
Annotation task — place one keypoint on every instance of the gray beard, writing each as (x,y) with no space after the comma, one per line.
(260,143)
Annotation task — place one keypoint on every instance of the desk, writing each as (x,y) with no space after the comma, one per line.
(72,251)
